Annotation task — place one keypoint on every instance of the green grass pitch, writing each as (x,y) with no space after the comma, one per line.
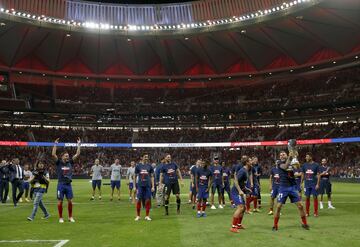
(105,223)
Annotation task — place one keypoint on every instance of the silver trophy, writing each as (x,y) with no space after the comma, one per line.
(293,151)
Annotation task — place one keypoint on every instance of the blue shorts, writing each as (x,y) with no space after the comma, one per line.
(26,185)
(202,193)
(308,191)
(274,192)
(237,199)
(131,186)
(96,183)
(64,190)
(255,190)
(217,187)
(325,187)
(114,184)
(143,193)
(285,192)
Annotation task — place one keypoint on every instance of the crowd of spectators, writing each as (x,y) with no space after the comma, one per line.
(181,135)
(344,158)
(326,94)
(329,89)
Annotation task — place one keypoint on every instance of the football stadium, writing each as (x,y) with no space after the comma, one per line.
(179,123)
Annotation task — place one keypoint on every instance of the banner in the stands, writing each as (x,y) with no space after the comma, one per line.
(180,145)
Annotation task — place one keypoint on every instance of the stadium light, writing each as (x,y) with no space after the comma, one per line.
(113,26)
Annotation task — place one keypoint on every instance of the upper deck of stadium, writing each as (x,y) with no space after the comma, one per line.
(183,41)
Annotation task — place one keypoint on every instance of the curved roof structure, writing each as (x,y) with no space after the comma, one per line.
(318,32)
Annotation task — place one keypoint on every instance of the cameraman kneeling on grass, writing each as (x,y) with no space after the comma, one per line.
(40,181)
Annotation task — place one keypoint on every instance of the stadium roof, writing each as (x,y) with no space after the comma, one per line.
(139,1)
(323,33)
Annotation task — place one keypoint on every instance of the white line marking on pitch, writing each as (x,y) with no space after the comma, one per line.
(59,244)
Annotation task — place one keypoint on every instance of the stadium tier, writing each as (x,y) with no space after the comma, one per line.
(321,97)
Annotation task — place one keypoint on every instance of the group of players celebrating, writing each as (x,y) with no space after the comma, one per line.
(287,180)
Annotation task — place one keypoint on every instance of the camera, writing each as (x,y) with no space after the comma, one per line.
(39,177)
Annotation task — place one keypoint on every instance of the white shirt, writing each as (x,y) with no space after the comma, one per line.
(97,170)
(19,174)
(115,172)
(27,175)
(130,173)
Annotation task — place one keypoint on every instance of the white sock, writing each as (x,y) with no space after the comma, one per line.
(199,212)
(329,203)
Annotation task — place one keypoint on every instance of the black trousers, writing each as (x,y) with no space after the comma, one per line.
(4,190)
(17,184)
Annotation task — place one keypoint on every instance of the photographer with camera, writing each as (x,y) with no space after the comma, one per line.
(40,181)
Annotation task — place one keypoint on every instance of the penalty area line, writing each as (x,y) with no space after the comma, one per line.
(60,242)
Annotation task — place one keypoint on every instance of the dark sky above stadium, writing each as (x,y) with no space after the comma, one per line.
(140,1)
